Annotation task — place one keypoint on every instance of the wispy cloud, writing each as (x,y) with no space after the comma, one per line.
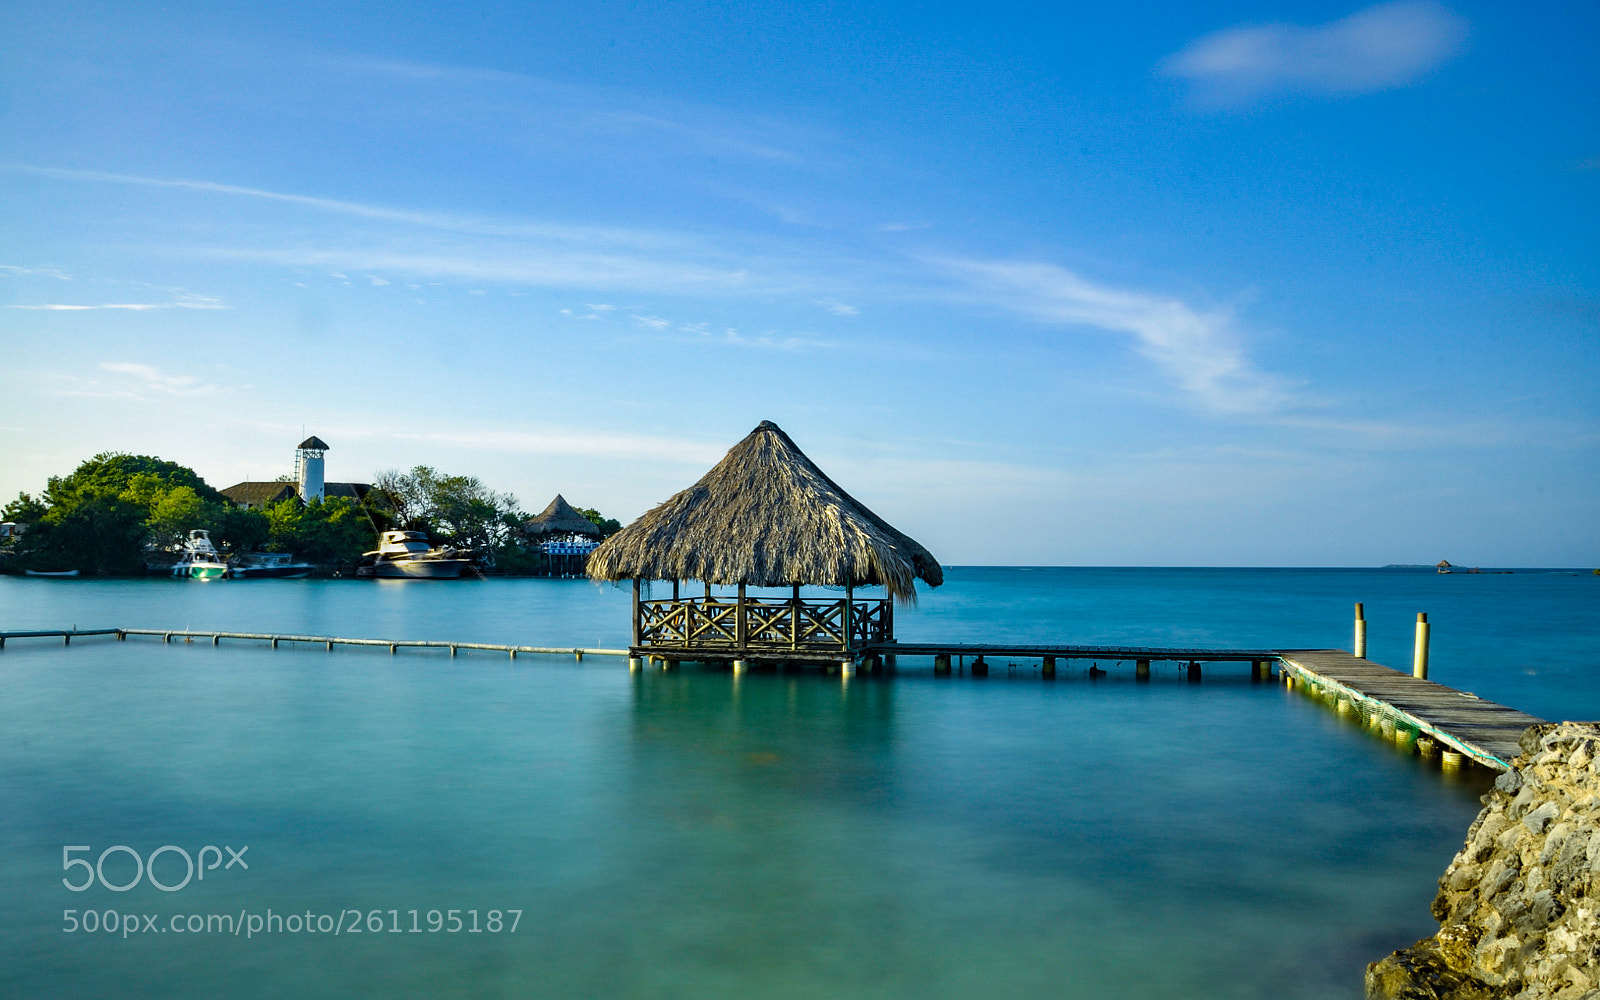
(573,441)
(464,224)
(185,302)
(838,308)
(12,271)
(144,383)
(512,107)
(509,264)
(1376,48)
(1197,349)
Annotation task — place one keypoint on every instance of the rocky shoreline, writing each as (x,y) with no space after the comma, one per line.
(1519,907)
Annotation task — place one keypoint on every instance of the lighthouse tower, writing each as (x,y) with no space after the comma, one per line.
(308,468)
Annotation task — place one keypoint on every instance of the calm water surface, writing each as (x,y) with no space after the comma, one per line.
(687,835)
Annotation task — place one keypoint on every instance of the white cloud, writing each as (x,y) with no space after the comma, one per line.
(139,382)
(1198,350)
(377,282)
(570,441)
(838,308)
(653,322)
(184,302)
(1378,47)
(11,270)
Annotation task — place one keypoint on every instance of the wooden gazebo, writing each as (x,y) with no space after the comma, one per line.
(764,516)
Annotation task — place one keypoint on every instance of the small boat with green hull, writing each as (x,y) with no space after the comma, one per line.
(199,559)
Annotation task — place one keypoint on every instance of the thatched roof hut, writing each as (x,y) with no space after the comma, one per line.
(766,516)
(560,518)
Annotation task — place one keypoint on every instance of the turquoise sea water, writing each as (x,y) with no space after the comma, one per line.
(692,835)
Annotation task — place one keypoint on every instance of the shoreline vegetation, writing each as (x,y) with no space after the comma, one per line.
(127,515)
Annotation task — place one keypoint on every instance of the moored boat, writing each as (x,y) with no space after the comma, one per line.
(406,555)
(43,572)
(267,566)
(199,559)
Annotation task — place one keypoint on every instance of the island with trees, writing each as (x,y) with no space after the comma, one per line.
(125,515)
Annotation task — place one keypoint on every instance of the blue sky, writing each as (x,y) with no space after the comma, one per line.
(1215,284)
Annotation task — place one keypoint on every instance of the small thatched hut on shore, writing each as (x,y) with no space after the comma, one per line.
(764,516)
(560,518)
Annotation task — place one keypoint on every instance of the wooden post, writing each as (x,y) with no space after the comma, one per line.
(674,590)
(1049,668)
(941,664)
(1194,672)
(1419,658)
(637,610)
(1141,670)
(794,618)
(740,625)
(888,616)
(849,607)
(1361,633)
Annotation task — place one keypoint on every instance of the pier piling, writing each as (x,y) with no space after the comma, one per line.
(1419,658)
(1360,646)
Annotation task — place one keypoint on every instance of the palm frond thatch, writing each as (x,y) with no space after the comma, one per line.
(560,518)
(766,516)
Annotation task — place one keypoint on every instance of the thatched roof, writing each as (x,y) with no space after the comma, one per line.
(560,518)
(766,516)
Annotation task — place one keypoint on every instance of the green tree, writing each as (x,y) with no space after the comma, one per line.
(102,535)
(105,515)
(455,510)
(23,510)
(173,513)
(333,530)
(110,474)
(608,525)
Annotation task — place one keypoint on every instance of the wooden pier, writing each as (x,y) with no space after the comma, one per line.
(326,641)
(1409,708)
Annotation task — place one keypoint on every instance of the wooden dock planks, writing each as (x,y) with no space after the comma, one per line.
(1483,730)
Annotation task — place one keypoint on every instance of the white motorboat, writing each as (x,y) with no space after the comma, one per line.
(199,559)
(267,566)
(407,555)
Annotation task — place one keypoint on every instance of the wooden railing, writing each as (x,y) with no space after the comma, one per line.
(764,624)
